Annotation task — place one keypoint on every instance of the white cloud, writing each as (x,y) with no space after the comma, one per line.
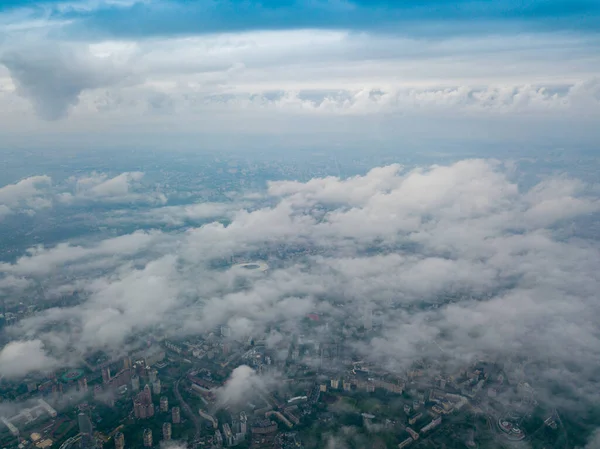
(123,188)
(36,193)
(243,384)
(162,82)
(457,261)
(29,194)
(41,261)
(19,358)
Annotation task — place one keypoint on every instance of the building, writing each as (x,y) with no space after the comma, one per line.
(123,377)
(335,384)
(105,375)
(175,415)
(208,417)
(264,427)
(405,443)
(225,331)
(119,440)
(227,435)
(218,438)
(11,427)
(243,423)
(147,438)
(44,405)
(156,387)
(152,375)
(164,404)
(86,431)
(413,434)
(135,383)
(166,430)
(414,418)
(83,386)
(432,425)
(127,363)
(142,404)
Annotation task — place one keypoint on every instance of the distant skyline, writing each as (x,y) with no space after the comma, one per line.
(133,71)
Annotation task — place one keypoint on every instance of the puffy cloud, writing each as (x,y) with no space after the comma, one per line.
(123,188)
(455,261)
(36,193)
(21,357)
(243,384)
(41,261)
(28,195)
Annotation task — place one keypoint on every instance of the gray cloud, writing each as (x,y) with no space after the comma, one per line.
(53,77)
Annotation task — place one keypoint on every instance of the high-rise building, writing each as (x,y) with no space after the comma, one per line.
(105,375)
(243,422)
(83,386)
(218,439)
(86,430)
(175,415)
(164,404)
(127,362)
(227,435)
(152,375)
(119,440)
(85,425)
(225,331)
(147,438)
(156,387)
(166,430)
(135,383)
(142,404)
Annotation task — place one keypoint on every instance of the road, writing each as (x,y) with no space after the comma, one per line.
(188,410)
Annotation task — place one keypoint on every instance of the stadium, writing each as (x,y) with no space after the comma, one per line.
(257,266)
(71,375)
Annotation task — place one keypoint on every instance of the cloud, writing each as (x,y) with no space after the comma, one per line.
(99,187)
(594,441)
(28,195)
(36,193)
(53,77)
(456,262)
(243,384)
(173,79)
(41,261)
(19,358)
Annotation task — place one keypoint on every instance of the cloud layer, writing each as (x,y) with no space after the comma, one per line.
(248,74)
(458,261)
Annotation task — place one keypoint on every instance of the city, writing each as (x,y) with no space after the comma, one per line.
(217,391)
